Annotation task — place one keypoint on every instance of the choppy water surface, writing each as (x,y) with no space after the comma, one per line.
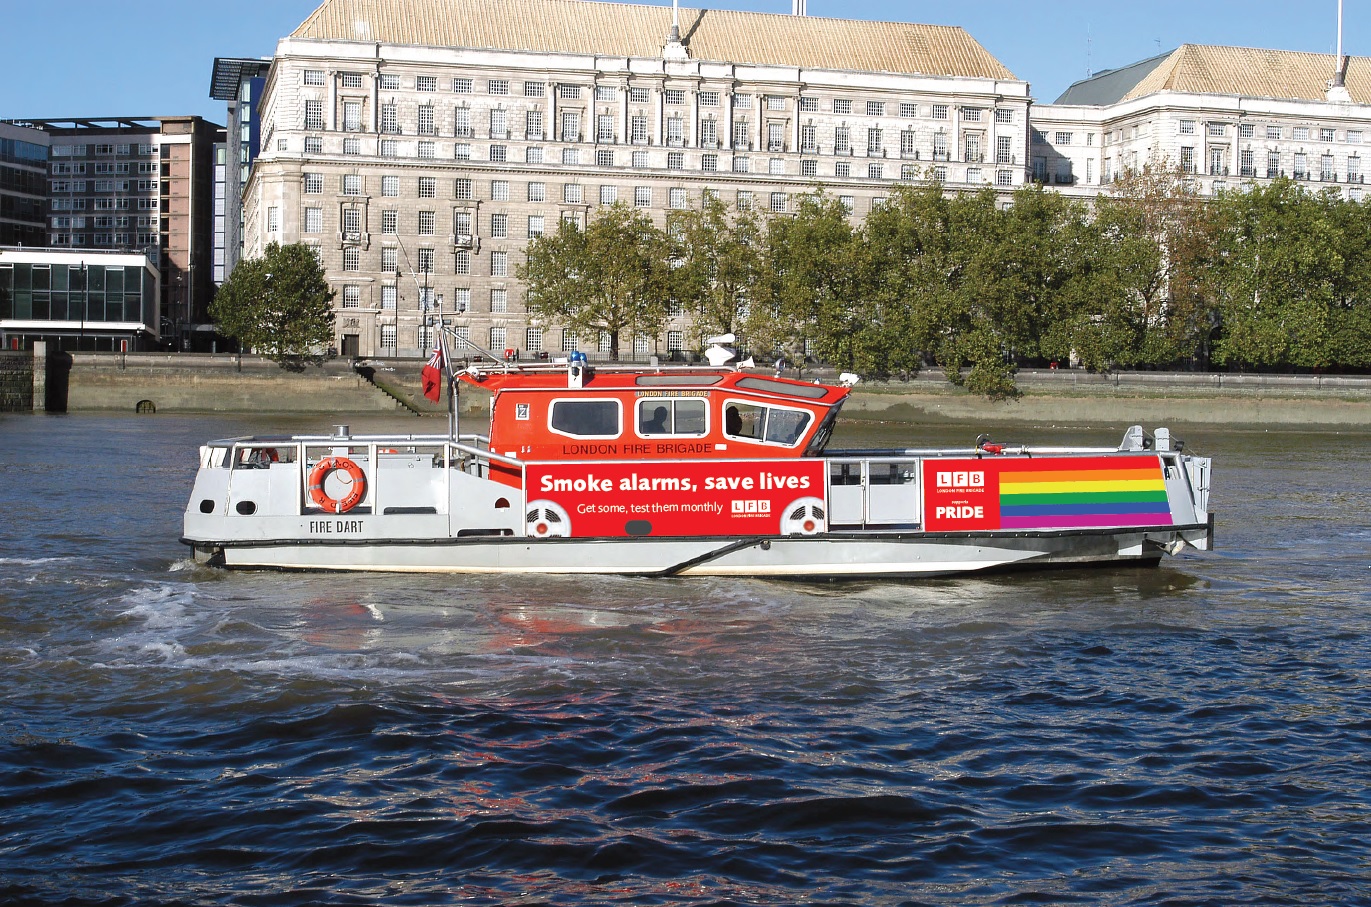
(1193,734)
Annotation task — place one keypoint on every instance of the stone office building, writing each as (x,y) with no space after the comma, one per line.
(1226,116)
(419,145)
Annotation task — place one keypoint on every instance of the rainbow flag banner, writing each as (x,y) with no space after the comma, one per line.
(1045,493)
(1061,493)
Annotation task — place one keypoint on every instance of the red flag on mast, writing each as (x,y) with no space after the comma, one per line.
(432,376)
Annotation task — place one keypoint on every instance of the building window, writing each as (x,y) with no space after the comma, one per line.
(428,186)
(875,109)
(535,225)
(352,116)
(499,264)
(842,140)
(570,342)
(639,95)
(775,166)
(571,157)
(388,296)
(498,154)
(389,148)
(842,105)
(971,114)
(352,259)
(778,202)
(427,223)
(604,128)
(390,261)
(642,196)
(604,157)
(1004,149)
(1246,130)
(314,220)
(1218,130)
(425,257)
(461,263)
(533,339)
(571,126)
(709,99)
(940,111)
(425,83)
(873,140)
(875,171)
(809,168)
(709,163)
(1004,115)
(637,129)
(849,204)
(1004,177)
(675,160)
(352,184)
(743,202)
(314,114)
(608,194)
(461,152)
(1062,138)
(676,198)
(1188,159)
(499,226)
(674,96)
(742,134)
(388,82)
(426,121)
(314,145)
(462,188)
(639,160)
(352,296)
(497,86)
(314,183)
(314,77)
(499,301)
(571,193)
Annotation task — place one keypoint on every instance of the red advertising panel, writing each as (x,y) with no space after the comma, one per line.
(721,497)
(961,494)
(1084,492)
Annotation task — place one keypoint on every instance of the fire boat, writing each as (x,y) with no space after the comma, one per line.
(676,470)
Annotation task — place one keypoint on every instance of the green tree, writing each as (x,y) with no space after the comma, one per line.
(613,276)
(278,305)
(1157,240)
(806,288)
(718,261)
(1275,276)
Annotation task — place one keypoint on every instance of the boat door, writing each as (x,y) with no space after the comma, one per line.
(874,492)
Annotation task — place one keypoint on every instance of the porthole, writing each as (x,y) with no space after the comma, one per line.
(246,508)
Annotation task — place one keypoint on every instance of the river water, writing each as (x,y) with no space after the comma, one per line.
(1196,733)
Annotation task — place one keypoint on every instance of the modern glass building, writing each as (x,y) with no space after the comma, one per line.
(23,185)
(78,301)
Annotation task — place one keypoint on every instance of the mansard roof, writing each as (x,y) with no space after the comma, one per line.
(638,30)
(1212,69)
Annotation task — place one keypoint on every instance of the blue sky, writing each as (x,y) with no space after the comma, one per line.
(97,58)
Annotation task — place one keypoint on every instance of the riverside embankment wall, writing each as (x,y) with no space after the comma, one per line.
(188,382)
(183,382)
(1074,397)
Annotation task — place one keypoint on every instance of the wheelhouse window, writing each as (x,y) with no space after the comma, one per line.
(765,424)
(671,416)
(586,418)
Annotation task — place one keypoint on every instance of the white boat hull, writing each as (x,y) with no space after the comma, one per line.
(830,556)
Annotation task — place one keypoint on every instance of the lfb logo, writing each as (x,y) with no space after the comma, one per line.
(961,479)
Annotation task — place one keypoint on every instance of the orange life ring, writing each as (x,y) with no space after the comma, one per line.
(322,470)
